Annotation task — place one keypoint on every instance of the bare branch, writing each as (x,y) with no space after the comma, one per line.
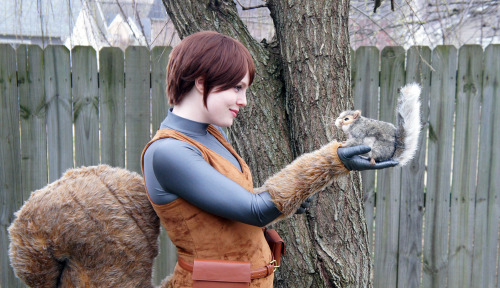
(136,14)
(252,7)
(39,6)
(126,20)
(172,35)
(376,24)
(86,5)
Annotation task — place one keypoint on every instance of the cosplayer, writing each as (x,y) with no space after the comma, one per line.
(98,226)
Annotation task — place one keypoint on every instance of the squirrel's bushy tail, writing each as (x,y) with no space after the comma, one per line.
(408,114)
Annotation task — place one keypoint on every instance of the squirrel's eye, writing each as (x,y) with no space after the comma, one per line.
(346,119)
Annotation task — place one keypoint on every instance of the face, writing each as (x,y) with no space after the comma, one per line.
(223,106)
(346,118)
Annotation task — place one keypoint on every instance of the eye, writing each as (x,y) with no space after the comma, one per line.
(346,119)
(238,88)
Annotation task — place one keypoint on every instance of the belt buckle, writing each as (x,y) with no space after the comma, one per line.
(273,262)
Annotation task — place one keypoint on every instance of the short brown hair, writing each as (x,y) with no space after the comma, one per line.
(219,59)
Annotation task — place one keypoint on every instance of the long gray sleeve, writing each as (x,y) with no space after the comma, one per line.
(174,168)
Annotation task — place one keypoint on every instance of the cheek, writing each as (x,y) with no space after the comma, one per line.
(220,99)
(213,101)
(345,128)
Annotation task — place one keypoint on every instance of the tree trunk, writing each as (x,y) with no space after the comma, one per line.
(302,83)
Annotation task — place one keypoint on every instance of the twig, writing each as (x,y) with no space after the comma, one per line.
(126,21)
(140,24)
(252,7)
(376,24)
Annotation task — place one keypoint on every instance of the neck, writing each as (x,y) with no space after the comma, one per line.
(184,125)
(190,107)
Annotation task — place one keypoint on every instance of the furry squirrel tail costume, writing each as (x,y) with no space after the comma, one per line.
(95,226)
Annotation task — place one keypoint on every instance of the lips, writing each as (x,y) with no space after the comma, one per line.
(235,112)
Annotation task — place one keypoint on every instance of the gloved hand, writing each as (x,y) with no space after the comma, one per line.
(352,161)
(304,206)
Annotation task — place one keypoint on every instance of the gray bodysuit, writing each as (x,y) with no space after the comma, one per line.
(174,168)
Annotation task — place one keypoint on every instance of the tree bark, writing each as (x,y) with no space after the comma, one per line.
(302,83)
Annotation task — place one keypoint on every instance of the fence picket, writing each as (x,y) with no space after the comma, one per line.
(10,168)
(492,89)
(365,81)
(487,213)
(159,103)
(85,106)
(469,88)
(112,106)
(57,72)
(137,115)
(30,78)
(164,264)
(392,76)
(413,179)
(442,103)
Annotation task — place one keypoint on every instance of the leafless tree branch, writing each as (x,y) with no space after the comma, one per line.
(138,18)
(251,7)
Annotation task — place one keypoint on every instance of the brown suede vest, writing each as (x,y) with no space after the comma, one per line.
(201,235)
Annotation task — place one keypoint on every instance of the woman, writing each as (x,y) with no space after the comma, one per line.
(199,186)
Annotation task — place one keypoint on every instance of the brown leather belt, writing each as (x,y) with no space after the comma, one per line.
(255,274)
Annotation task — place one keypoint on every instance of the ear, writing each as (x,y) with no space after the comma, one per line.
(357,114)
(199,83)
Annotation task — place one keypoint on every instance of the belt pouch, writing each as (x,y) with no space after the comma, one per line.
(276,244)
(221,274)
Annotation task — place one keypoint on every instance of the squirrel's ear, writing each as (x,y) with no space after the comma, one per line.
(357,113)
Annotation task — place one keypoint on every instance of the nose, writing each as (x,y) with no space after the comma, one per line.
(242,100)
(338,122)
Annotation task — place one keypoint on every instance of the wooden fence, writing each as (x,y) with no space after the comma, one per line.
(434,223)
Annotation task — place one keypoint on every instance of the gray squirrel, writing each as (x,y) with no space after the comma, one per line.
(386,140)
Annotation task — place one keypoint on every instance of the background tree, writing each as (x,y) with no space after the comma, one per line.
(302,83)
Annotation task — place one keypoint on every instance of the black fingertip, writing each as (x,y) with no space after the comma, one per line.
(387,164)
(364,149)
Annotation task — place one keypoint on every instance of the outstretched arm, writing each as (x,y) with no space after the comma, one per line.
(312,172)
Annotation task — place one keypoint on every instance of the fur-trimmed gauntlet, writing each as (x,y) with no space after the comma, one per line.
(306,175)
